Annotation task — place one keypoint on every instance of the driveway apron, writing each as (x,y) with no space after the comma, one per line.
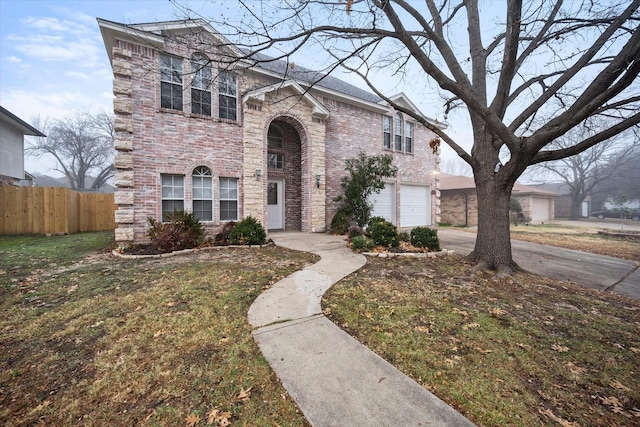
(335,380)
(594,271)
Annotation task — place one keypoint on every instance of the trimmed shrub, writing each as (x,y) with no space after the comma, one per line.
(248,232)
(404,236)
(222,238)
(375,219)
(425,237)
(340,222)
(181,230)
(362,244)
(383,233)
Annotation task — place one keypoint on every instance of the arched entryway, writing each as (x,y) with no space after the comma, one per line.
(285,171)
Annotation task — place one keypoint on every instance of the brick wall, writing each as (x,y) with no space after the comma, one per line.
(351,129)
(459,207)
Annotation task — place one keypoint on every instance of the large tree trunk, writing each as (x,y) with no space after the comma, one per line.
(576,210)
(493,241)
(494,183)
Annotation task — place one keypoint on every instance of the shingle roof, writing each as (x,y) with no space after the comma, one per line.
(458,182)
(291,70)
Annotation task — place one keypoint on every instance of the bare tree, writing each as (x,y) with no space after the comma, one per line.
(583,172)
(525,73)
(456,166)
(81,144)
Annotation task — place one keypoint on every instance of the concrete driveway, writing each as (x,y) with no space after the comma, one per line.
(593,271)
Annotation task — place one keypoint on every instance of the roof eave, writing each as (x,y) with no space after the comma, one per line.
(16,121)
(332,93)
(111,31)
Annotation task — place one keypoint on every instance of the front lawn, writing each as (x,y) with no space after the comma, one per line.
(91,339)
(520,351)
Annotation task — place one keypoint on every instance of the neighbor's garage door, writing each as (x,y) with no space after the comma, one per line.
(415,205)
(540,209)
(384,203)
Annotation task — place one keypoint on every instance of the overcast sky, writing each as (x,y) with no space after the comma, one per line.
(53,61)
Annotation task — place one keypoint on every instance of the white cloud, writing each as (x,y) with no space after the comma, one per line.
(78,75)
(26,104)
(14,59)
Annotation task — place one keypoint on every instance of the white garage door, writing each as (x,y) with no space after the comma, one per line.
(415,205)
(540,209)
(384,203)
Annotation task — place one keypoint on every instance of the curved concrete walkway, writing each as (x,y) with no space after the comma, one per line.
(335,380)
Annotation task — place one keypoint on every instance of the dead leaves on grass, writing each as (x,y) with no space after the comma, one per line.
(564,423)
(560,348)
(217,417)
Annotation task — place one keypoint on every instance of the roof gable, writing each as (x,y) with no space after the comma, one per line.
(319,110)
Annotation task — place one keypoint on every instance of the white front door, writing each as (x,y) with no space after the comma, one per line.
(275,204)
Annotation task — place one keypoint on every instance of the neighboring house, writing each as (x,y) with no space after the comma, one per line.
(563,199)
(459,201)
(268,140)
(12,132)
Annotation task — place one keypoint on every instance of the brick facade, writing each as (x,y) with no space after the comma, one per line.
(320,131)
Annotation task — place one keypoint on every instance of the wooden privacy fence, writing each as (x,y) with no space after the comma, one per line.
(48,210)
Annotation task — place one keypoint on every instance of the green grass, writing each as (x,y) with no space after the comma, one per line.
(107,341)
(515,352)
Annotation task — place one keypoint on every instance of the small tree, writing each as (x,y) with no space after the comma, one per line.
(81,144)
(366,177)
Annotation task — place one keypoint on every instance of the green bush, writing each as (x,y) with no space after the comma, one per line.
(383,233)
(340,222)
(181,230)
(375,219)
(248,232)
(362,244)
(425,237)
(404,236)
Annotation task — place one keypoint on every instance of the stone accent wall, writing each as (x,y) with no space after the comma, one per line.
(351,129)
(286,106)
(459,207)
(123,160)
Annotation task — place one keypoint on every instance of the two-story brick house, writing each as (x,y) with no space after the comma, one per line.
(228,139)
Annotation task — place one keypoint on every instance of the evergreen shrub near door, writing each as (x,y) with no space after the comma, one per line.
(248,232)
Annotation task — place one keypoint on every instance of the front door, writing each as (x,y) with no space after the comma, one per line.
(275,204)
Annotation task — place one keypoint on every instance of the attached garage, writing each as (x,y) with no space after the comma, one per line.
(415,205)
(384,203)
(541,208)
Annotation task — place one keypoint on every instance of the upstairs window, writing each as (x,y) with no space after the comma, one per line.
(275,161)
(386,132)
(202,188)
(408,137)
(200,85)
(227,95)
(398,132)
(274,137)
(172,194)
(170,82)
